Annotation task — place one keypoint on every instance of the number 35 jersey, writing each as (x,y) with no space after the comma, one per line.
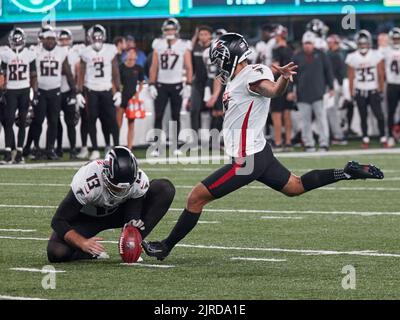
(170,60)
(49,66)
(366,69)
(98,75)
(17,66)
(89,189)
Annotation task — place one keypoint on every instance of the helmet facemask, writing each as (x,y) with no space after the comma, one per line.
(17,41)
(221,58)
(118,191)
(97,41)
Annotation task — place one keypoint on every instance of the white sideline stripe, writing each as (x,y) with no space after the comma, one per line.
(276,217)
(17,230)
(359,213)
(203,222)
(258,259)
(37,270)
(301,251)
(372,253)
(24,184)
(216,158)
(162,266)
(18,298)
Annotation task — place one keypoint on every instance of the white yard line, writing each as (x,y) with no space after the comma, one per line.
(276,217)
(18,298)
(357,213)
(17,230)
(258,259)
(25,184)
(371,253)
(205,159)
(37,270)
(161,266)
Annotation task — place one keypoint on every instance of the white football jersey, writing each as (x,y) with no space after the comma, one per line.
(392,64)
(366,69)
(89,189)
(170,60)
(264,51)
(18,67)
(321,44)
(246,112)
(211,69)
(99,67)
(73,59)
(49,67)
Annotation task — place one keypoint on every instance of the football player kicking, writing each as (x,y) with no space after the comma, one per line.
(105,195)
(246,100)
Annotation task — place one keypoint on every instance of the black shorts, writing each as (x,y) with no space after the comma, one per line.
(281,104)
(262,167)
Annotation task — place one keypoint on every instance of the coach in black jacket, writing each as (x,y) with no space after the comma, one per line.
(314,76)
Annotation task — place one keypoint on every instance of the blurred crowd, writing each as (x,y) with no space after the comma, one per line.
(103,81)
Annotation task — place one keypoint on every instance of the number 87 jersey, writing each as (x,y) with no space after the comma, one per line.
(98,75)
(170,60)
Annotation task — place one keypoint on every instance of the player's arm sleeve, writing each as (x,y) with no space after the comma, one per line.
(258,74)
(3,67)
(141,74)
(67,211)
(327,65)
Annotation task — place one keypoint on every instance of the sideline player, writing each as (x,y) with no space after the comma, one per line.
(392,63)
(171,56)
(18,64)
(247,98)
(100,71)
(366,73)
(106,195)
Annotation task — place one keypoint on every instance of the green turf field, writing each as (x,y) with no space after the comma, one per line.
(305,242)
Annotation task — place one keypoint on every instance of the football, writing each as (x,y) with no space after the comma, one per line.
(129,244)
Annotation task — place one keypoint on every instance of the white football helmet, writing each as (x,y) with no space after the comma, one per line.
(171,28)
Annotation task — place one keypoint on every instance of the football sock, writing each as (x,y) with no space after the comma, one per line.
(187,221)
(319,178)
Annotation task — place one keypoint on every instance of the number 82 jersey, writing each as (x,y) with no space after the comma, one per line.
(18,67)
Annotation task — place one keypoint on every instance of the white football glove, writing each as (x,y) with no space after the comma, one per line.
(136,223)
(80,101)
(186,91)
(117,99)
(153,91)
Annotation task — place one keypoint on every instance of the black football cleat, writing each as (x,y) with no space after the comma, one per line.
(156,249)
(363,171)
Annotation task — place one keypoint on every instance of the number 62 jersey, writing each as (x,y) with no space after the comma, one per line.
(90,191)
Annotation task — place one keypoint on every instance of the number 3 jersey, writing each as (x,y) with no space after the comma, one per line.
(49,65)
(170,60)
(366,69)
(99,67)
(89,189)
(17,66)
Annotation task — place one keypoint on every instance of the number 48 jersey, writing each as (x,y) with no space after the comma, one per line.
(49,65)
(17,66)
(170,60)
(366,69)
(99,67)
(89,189)
(392,64)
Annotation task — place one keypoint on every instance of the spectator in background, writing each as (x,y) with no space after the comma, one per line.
(120,43)
(131,75)
(314,76)
(141,56)
(339,73)
(280,107)
(199,87)
(266,45)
